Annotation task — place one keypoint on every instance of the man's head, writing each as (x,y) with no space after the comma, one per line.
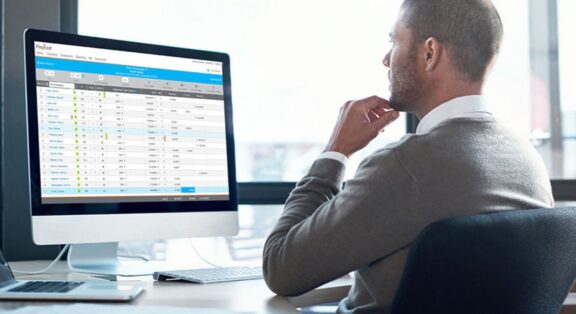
(439,42)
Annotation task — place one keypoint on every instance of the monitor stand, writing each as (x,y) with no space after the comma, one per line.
(102,259)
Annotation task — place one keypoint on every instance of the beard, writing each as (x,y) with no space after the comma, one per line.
(406,86)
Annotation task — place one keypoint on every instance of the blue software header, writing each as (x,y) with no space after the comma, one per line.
(126,70)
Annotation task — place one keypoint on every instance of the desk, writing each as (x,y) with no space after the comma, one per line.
(251,296)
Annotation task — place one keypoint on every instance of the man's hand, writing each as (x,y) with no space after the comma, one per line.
(359,123)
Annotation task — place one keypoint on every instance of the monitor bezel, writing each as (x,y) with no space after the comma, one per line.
(40,209)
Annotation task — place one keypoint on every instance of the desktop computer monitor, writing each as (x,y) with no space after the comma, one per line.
(127,141)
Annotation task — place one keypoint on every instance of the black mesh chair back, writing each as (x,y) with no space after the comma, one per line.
(512,262)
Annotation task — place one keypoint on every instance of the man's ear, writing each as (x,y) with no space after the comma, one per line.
(433,51)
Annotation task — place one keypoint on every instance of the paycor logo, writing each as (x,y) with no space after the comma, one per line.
(43,46)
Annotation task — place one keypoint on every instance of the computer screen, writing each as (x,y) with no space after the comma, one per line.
(113,126)
(118,128)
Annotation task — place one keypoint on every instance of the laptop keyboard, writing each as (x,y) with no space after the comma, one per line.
(47,286)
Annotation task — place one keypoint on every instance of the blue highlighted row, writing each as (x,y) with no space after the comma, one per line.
(127,71)
(147,190)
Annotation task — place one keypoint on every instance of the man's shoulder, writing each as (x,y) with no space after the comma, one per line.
(456,127)
(454,134)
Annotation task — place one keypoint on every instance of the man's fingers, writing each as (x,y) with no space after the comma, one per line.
(374,109)
(379,110)
(372,102)
(377,102)
(385,119)
(372,116)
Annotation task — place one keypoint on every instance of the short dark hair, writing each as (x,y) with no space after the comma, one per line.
(470,29)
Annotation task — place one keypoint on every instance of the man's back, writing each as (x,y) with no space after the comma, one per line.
(461,167)
(474,165)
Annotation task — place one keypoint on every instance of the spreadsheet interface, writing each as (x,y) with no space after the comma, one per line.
(118,126)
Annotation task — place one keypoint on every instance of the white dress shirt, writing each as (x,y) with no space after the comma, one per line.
(472,106)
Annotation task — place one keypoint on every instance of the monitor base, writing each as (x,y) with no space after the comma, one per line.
(102,259)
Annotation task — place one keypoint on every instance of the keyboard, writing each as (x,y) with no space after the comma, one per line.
(46,287)
(209,275)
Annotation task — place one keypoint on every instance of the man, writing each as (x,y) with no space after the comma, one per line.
(461,161)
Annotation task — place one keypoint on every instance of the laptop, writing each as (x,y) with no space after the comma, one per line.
(12,289)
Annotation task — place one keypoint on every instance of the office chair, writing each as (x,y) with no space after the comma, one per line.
(512,262)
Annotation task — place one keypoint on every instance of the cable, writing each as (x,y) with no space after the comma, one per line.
(48,267)
(201,257)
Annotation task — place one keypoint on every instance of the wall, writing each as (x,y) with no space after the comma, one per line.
(17,15)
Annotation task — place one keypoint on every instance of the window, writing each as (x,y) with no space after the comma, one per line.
(567,64)
(294,63)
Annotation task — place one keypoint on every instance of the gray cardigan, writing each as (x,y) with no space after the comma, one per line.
(462,166)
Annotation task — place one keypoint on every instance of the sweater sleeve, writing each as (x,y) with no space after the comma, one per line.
(324,233)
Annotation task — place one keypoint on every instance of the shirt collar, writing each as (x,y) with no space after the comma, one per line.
(471,106)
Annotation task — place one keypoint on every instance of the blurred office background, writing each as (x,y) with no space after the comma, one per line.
(294,63)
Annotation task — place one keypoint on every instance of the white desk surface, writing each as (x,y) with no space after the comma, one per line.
(249,296)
